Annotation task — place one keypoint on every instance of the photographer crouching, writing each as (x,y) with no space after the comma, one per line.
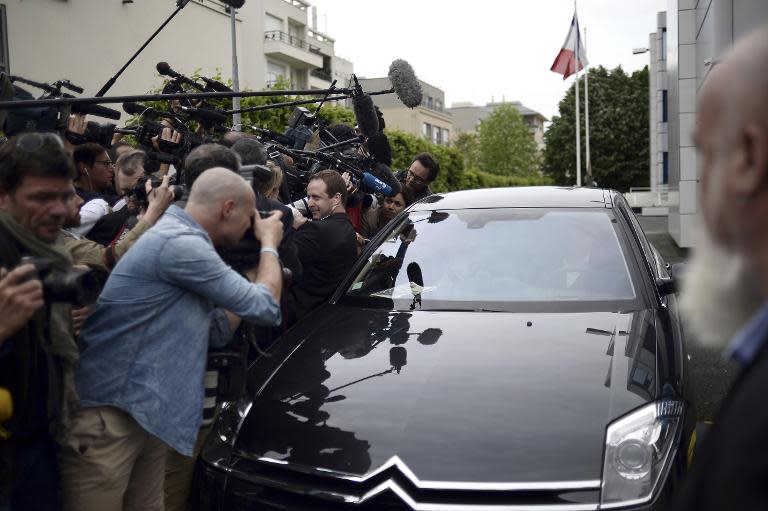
(140,378)
(37,349)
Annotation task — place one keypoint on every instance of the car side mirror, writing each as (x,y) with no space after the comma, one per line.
(668,286)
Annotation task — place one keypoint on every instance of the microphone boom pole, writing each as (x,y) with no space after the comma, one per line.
(13,105)
(180,4)
(303,102)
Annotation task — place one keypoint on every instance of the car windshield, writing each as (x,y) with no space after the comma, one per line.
(491,259)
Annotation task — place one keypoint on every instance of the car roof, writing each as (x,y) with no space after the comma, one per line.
(518,197)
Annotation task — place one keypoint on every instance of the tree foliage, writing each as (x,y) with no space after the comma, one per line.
(506,145)
(618,122)
(454,172)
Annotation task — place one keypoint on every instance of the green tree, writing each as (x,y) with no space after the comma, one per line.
(469,147)
(618,124)
(506,145)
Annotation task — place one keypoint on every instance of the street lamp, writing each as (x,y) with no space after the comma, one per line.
(638,51)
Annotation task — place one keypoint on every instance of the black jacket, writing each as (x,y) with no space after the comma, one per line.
(730,470)
(327,250)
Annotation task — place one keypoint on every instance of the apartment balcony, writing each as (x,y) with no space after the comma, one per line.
(292,50)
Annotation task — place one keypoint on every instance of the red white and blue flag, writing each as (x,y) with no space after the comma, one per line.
(566,60)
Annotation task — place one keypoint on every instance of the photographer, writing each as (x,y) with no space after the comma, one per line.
(37,360)
(144,347)
(95,255)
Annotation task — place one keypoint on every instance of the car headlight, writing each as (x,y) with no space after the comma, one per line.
(637,451)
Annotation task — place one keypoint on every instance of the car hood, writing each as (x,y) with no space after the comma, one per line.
(454,396)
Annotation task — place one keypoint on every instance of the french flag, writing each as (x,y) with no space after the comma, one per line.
(566,60)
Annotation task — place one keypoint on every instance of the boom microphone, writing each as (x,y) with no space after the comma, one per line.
(365,113)
(380,149)
(276,137)
(205,115)
(214,85)
(164,69)
(405,83)
(137,109)
(97,110)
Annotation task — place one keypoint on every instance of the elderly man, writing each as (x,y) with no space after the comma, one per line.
(140,378)
(727,285)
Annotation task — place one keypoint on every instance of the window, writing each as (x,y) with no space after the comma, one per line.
(427,130)
(438,136)
(430,102)
(446,136)
(272,23)
(4,65)
(664,105)
(273,72)
(438,104)
(664,44)
(665,168)
(506,256)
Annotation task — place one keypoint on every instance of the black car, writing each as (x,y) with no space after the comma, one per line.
(493,349)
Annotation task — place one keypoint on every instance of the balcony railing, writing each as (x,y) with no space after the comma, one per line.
(277,35)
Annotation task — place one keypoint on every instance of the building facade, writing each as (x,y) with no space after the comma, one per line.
(467,117)
(658,106)
(87,41)
(430,120)
(697,32)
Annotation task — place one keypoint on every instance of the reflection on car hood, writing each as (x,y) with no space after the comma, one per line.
(457,396)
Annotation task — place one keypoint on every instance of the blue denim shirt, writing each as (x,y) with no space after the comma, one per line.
(747,342)
(144,348)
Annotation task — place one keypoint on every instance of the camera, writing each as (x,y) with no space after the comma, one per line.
(139,191)
(75,286)
(300,127)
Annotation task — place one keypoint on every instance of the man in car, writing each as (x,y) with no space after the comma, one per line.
(326,246)
(729,470)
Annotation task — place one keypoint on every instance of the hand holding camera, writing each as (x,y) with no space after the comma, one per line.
(21,295)
(269,229)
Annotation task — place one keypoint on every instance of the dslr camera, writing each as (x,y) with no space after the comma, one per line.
(75,286)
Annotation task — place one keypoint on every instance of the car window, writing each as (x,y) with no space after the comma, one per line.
(492,256)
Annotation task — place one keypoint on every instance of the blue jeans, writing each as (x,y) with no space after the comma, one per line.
(36,487)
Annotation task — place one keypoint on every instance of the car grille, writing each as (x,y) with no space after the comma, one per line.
(254,484)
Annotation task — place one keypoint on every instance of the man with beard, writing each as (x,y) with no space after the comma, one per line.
(95,255)
(728,284)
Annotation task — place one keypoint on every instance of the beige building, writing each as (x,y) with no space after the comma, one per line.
(430,120)
(87,41)
(467,117)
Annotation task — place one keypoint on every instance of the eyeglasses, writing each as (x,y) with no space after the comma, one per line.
(416,179)
(108,163)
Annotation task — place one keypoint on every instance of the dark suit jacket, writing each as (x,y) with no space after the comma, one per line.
(327,251)
(730,470)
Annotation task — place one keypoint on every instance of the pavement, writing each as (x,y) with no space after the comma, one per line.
(710,375)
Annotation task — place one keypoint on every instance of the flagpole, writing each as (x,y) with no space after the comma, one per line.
(586,112)
(578,114)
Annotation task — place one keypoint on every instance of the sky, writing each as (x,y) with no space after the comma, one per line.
(485,50)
